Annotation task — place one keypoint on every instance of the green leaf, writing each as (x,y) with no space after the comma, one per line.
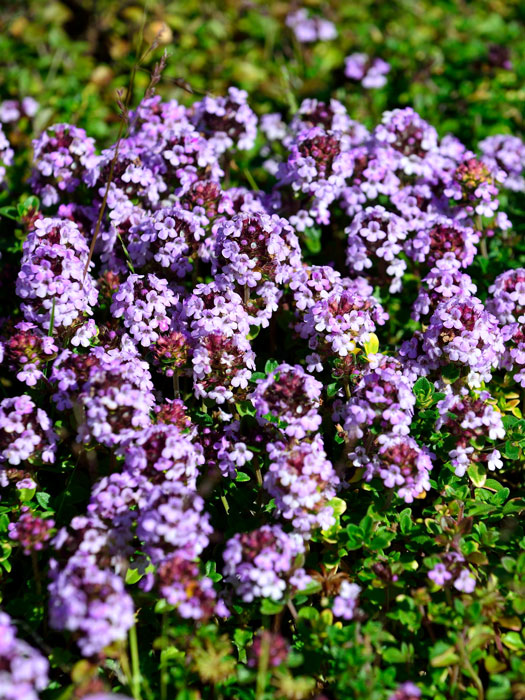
(405,520)
(42,499)
(270,366)
(443,655)
(309,613)
(270,607)
(423,391)
(513,640)
(451,373)
(312,239)
(511,450)
(241,476)
(478,474)
(132,576)
(381,539)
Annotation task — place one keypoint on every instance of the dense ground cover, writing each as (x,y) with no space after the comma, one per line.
(263,360)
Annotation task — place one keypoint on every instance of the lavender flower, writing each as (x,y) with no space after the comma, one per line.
(507,300)
(26,433)
(89,602)
(262,563)
(23,670)
(461,331)
(375,239)
(290,395)
(346,601)
(505,153)
(226,121)
(370,72)
(254,248)
(64,158)
(309,29)
(400,463)
(302,481)
(474,418)
(143,302)
(31,531)
(172,521)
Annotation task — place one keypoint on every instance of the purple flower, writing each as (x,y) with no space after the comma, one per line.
(465,582)
(143,302)
(375,241)
(400,463)
(346,601)
(290,395)
(309,29)
(262,563)
(64,158)
(26,432)
(172,521)
(370,72)
(440,574)
(89,602)
(462,332)
(23,670)
(31,531)
(226,122)
(302,481)
(255,248)
(406,691)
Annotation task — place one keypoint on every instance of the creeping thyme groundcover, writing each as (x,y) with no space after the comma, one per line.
(263,442)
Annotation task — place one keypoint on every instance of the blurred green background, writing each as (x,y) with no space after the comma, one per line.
(448,57)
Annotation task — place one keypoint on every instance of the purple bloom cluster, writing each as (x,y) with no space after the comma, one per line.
(64,158)
(346,601)
(452,569)
(383,399)
(400,463)
(191,287)
(309,29)
(406,691)
(31,531)
(23,670)
(461,331)
(26,433)
(291,396)
(55,292)
(467,418)
(263,563)
(90,602)
(302,480)
(505,153)
(375,240)
(370,72)
(6,155)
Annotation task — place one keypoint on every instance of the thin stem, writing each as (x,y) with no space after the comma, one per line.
(52,319)
(176,387)
(466,661)
(262,669)
(251,179)
(163,669)
(246,294)
(135,665)
(225,503)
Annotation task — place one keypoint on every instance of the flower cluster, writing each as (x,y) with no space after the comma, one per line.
(370,72)
(23,670)
(262,563)
(230,377)
(309,29)
(31,531)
